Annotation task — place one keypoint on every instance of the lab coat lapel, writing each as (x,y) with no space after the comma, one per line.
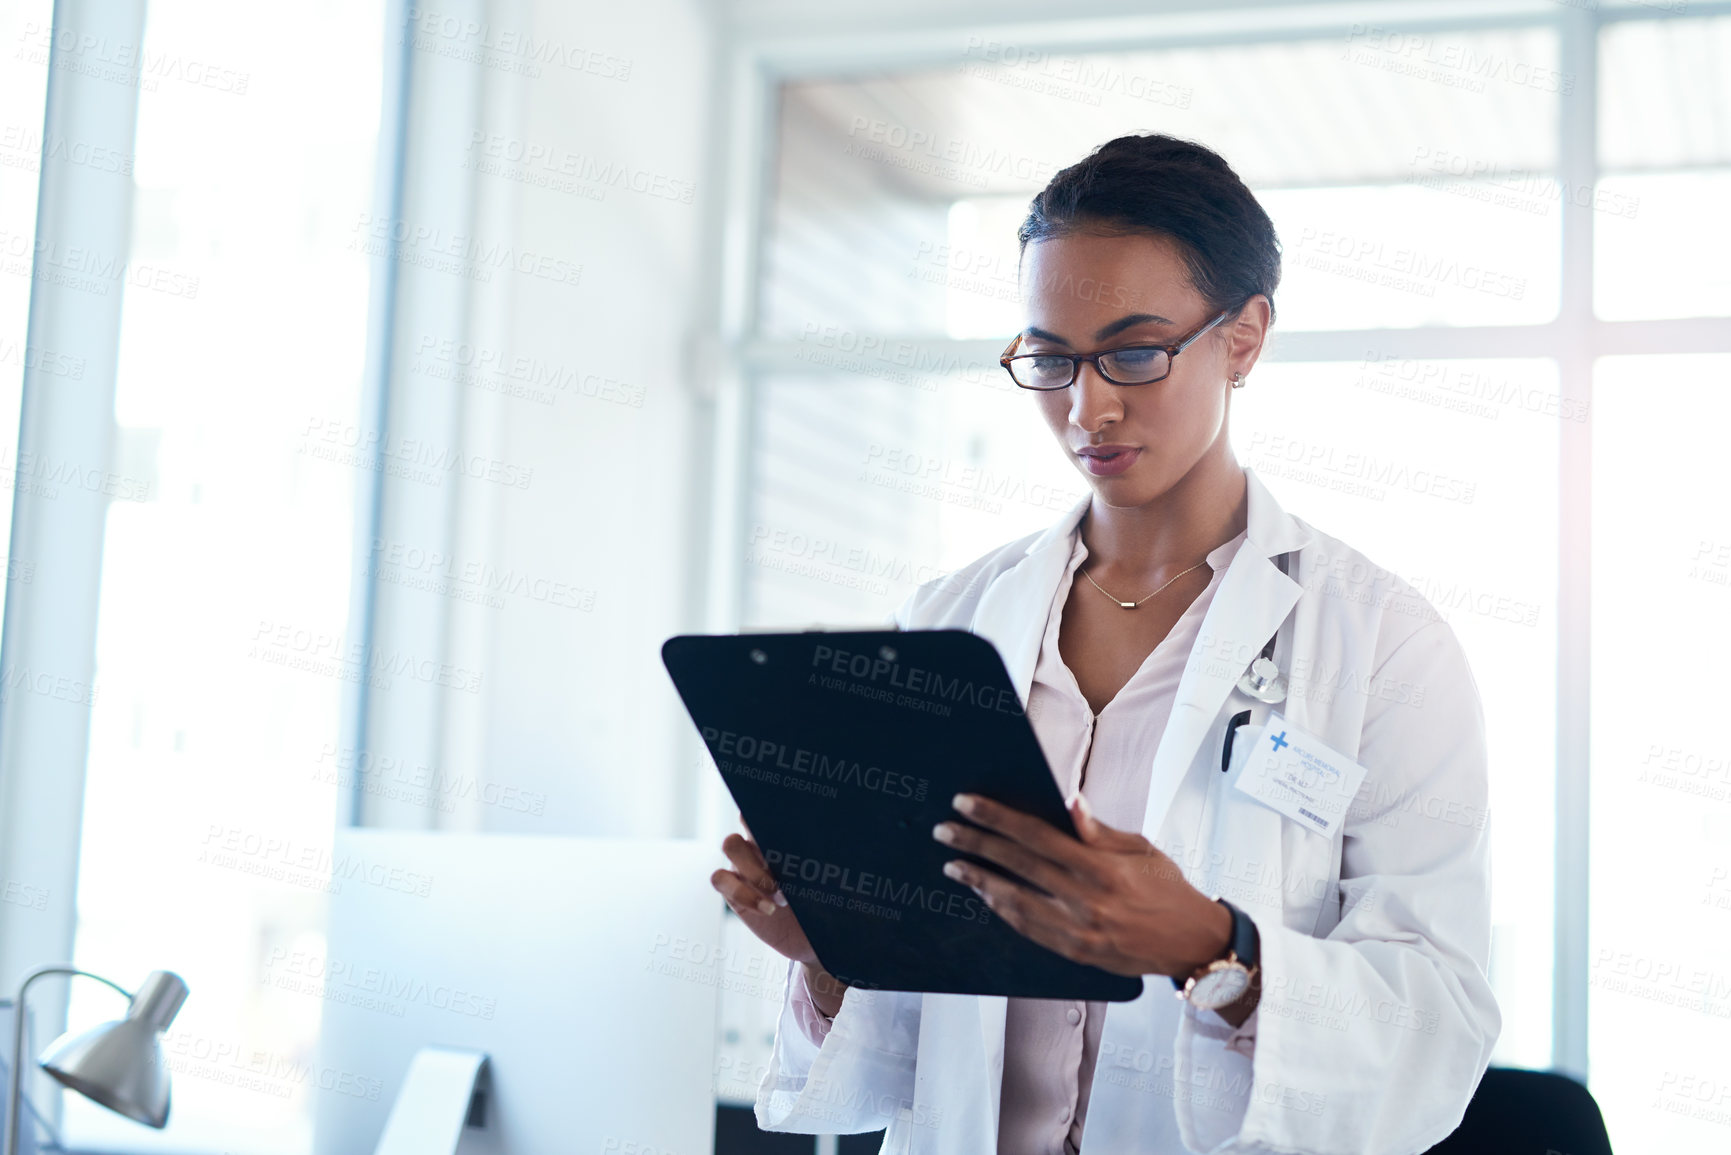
(994,1013)
(1253,599)
(1013,609)
(956,1090)
(1012,616)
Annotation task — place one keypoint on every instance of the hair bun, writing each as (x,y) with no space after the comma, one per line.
(1172,188)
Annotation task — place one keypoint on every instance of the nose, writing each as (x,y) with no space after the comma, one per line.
(1094,401)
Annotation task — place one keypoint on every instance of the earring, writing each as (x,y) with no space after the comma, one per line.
(1238,380)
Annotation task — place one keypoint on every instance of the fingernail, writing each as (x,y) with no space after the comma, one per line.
(779,898)
(964,803)
(943,833)
(766,906)
(954,870)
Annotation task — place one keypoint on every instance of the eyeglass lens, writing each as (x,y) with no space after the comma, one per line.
(1122,366)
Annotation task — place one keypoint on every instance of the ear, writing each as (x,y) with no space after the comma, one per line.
(1246,334)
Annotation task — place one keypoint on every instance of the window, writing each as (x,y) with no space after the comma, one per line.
(1660,901)
(212,789)
(1665,147)
(1661,915)
(23,93)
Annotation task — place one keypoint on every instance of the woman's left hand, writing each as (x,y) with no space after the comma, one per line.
(1114,901)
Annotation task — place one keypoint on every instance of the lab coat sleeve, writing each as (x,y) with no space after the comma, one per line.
(904,613)
(856,1080)
(1371,1040)
(812,1023)
(860,1072)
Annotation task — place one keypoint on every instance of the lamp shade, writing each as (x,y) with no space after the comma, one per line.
(120,1064)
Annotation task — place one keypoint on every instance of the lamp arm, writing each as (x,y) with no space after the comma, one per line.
(15,1076)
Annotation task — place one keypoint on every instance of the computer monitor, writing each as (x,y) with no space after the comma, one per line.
(584,968)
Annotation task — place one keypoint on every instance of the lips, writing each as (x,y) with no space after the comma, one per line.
(1108,460)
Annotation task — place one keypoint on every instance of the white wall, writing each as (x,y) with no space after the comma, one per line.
(581,708)
(571,565)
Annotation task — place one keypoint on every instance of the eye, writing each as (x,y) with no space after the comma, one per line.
(1135,365)
(1138,358)
(1042,371)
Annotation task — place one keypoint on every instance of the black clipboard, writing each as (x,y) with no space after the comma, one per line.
(842,751)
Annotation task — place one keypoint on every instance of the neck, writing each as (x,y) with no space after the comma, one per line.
(1206,508)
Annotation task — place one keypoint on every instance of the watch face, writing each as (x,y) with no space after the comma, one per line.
(1220,987)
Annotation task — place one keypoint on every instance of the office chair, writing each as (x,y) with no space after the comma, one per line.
(1528,1113)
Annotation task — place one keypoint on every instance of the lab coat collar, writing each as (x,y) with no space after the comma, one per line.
(1267,526)
(1013,610)
(1060,530)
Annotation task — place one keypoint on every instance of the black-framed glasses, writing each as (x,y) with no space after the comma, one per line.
(1131,365)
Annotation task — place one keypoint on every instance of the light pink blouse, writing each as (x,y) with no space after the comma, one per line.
(1050,1045)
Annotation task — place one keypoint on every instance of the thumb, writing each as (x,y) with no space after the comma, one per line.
(1096,833)
(1082,814)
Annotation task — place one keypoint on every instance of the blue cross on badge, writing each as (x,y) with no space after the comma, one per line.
(1279,741)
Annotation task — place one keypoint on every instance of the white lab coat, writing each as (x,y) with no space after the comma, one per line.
(1376,1019)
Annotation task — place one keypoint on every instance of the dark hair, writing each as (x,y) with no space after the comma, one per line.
(1174,188)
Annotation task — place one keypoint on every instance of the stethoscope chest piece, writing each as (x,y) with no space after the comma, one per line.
(1263,682)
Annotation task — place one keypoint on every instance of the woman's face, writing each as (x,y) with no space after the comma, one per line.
(1088,292)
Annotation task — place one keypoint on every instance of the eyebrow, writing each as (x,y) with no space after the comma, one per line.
(1112,330)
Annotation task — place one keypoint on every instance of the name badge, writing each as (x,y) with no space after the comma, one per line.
(1298,775)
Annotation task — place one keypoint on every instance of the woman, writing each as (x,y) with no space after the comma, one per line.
(1329,973)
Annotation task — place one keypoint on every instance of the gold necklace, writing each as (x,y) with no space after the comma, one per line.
(1132,605)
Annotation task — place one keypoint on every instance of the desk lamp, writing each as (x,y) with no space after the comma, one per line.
(118,1064)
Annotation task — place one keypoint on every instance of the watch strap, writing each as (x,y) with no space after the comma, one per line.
(1242,941)
(1246,944)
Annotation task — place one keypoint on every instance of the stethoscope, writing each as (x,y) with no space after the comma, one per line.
(1261,681)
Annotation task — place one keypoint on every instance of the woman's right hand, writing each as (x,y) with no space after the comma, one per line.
(753,894)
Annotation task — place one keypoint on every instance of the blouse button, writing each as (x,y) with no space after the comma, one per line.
(1074,1015)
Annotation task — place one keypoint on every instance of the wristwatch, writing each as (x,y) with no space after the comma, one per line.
(1224,980)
